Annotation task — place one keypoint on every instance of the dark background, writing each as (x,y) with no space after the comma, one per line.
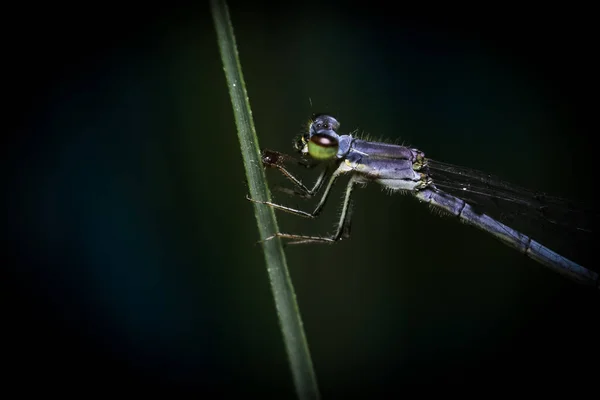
(130,247)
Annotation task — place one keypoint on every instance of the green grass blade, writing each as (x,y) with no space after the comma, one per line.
(283,292)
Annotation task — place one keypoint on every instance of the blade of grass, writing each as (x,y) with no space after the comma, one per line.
(281,285)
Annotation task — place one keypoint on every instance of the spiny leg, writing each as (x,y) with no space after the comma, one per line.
(300,188)
(276,159)
(272,157)
(342,231)
(301,213)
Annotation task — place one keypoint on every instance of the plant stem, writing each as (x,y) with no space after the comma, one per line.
(281,285)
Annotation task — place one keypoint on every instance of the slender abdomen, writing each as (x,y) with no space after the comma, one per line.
(509,236)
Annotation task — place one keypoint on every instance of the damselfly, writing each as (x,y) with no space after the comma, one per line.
(404,169)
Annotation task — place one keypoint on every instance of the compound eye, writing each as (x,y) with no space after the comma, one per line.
(323,147)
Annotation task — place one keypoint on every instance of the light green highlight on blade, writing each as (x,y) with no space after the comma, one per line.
(283,291)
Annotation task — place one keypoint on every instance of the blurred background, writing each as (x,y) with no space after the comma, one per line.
(131,257)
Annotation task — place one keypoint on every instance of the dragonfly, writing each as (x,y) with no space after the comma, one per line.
(406,170)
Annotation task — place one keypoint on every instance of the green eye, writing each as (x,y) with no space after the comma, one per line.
(322,147)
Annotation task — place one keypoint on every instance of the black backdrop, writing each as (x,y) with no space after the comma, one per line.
(130,248)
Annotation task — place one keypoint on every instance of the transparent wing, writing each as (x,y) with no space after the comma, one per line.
(568,227)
